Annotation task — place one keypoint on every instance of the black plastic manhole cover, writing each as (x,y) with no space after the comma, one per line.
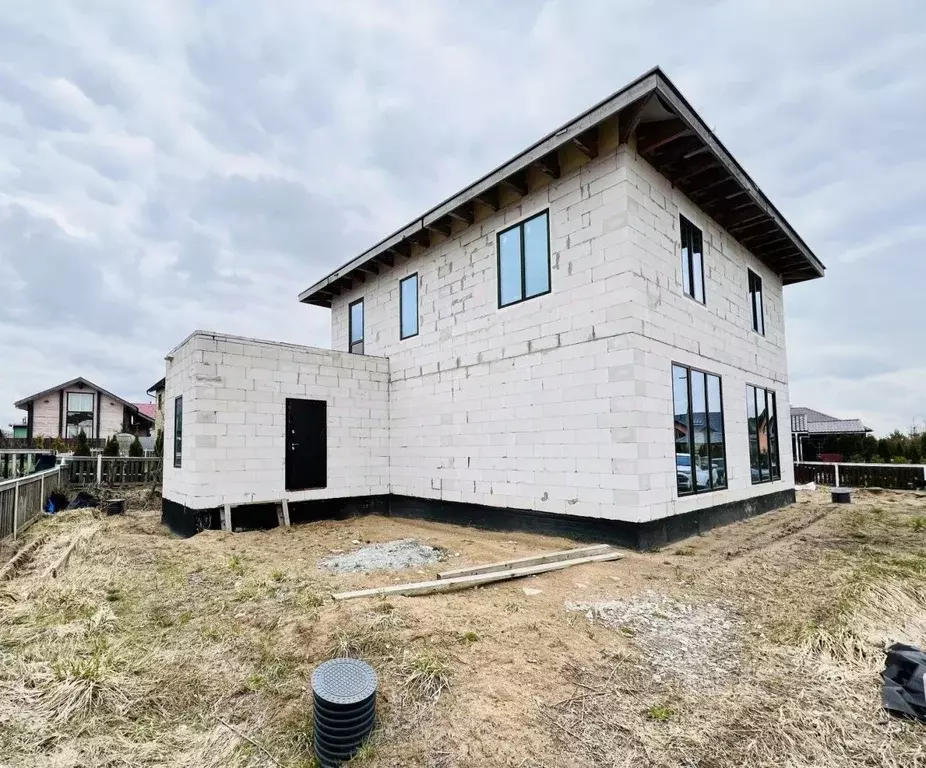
(344,681)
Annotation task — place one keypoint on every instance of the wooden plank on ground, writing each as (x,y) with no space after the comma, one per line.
(60,564)
(522,562)
(464,582)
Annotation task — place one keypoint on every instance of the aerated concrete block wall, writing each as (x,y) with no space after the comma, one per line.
(234,442)
(563,403)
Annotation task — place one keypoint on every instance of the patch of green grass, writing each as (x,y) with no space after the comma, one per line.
(918,524)
(686,551)
(627,631)
(424,677)
(277,575)
(660,713)
(469,638)
(235,564)
(113,594)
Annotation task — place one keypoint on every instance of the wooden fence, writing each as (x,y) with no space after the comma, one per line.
(110,470)
(22,500)
(897,476)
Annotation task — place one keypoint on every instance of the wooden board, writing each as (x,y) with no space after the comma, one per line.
(464,582)
(522,562)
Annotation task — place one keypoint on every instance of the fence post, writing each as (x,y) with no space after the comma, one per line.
(99,469)
(42,492)
(16,509)
(836,467)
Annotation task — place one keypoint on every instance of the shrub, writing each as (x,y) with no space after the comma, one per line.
(135,449)
(58,445)
(83,446)
(111,448)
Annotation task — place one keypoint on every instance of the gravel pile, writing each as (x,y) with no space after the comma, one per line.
(387,556)
(696,643)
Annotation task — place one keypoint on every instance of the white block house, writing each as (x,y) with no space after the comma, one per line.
(588,339)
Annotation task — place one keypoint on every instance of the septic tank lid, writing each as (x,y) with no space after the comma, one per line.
(344,681)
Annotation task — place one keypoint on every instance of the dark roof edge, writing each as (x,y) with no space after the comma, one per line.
(653,81)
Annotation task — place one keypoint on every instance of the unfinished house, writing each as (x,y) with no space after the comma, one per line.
(589,339)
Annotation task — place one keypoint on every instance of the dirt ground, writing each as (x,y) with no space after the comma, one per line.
(759,644)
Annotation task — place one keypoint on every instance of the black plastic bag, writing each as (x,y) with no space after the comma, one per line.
(904,681)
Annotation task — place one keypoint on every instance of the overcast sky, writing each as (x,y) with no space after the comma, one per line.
(167,166)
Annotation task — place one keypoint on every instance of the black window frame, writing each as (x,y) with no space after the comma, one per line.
(691,443)
(774,441)
(498,261)
(417,305)
(685,226)
(758,318)
(350,327)
(178,431)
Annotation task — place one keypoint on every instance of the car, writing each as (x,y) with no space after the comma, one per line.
(683,473)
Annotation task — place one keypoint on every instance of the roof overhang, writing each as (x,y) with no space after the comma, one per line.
(669,135)
(80,382)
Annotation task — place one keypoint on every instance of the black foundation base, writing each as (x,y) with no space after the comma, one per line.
(649,535)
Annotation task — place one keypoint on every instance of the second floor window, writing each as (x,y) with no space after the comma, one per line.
(524,260)
(80,414)
(692,260)
(408,307)
(700,449)
(755,303)
(762,420)
(355,327)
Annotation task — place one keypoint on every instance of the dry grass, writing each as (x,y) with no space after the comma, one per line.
(155,651)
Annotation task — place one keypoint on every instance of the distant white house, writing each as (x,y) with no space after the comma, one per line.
(588,339)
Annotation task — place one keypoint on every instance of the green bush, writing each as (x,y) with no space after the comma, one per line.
(111,448)
(135,449)
(83,446)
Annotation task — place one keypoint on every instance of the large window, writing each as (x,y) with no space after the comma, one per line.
(178,431)
(524,260)
(692,260)
(80,414)
(762,419)
(355,327)
(408,307)
(755,303)
(700,454)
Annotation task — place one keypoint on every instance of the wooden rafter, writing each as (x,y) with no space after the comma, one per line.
(465,213)
(630,117)
(549,164)
(489,198)
(661,134)
(700,190)
(422,239)
(401,249)
(441,226)
(387,259)
(699,166)
(369,267)
(518,182)
(587,143)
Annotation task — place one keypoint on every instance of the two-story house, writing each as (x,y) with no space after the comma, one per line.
(588,339)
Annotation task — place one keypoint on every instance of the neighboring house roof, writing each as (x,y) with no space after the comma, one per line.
(814,422)
(157,386)
(79,380)
(148,410)
(671,136)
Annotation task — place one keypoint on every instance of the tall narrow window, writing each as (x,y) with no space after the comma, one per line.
(524,260)
(80,414)
(355,327)
(408,307)
(178,431)
(700,449)
(755,303)
(762,420)
(692,260)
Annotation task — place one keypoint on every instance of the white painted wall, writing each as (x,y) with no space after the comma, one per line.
(234,393)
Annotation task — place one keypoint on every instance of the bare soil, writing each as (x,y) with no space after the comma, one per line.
(150,650)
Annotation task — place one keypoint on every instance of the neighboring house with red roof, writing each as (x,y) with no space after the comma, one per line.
(79,405)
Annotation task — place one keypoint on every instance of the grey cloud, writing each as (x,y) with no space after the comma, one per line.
(39,110)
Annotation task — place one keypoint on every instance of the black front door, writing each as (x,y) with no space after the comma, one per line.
(306,444)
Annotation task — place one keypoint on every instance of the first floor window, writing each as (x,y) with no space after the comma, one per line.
(524,260)
(700,452)
(355,327)
(762,420)
(755,303)
(408,307)
(692,260)
(178,431)
(80,414)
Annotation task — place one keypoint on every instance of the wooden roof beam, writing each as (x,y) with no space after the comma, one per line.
(441,226)
(465,214)
(663,133)
(549,164)
(518,182)
(489,198)
(587,143)
(629,118)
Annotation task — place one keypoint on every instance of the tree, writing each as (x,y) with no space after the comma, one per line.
(83,446)
(111,447)
(159,444)
(135,449)
(58,445)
